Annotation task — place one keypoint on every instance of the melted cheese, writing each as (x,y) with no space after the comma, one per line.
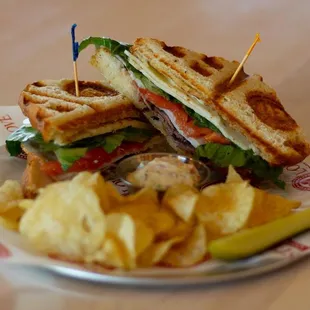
(192,102)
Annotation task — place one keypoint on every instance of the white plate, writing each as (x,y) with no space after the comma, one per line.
(298,186)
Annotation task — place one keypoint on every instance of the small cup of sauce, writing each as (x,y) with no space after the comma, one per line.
(162,170)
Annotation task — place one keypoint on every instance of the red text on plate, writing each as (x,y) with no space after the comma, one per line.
(299,246)
(8,123)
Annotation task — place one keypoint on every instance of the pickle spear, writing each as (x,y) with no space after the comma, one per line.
(254,240)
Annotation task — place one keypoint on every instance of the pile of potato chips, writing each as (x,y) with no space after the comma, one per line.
(87,220)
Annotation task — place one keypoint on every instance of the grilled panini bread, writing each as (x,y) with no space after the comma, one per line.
(60,116)
(70,134)
(248,112)
(116,75)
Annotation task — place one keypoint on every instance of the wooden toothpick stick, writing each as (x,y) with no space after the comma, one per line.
(76,79)
(257,39)
(75,55)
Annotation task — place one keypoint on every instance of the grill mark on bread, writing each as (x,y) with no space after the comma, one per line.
(78,101)
(183,74)
(196,66)
(176,51)
(212,62)
(38,84)
(96,125)
(220,89)
(270,111)
(223,88)
(61,108)
(278,158)
(97,118)
(299,147)
(90,89)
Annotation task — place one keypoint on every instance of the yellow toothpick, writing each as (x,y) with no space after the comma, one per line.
(257,39)
(76,79)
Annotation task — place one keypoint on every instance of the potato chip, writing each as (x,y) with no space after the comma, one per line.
(122,227)
(138,210)
(10,218)
(144,236)
(233,176)
(111,254)
(156,251)
(97,183)
(182,200)
(8,224)
(190,251)
(65,219)
(180,229)
(161,221)
(134,235)
(25,204)
(269,207)
(145,195)
(10,197)
(10,192)
(225,208)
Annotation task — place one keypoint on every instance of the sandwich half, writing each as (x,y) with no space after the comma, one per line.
(187,96)
(67,134)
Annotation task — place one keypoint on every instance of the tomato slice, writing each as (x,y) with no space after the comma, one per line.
(216,138)
(93,160)
(182,118)
(52,168)
(158,100)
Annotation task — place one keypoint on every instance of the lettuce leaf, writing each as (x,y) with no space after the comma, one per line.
(137,134)
(200,121)
(67,156)
(108,141)
(264,171)
(24,134)
(112,142)
(14,140)
(225,155)
(115,47)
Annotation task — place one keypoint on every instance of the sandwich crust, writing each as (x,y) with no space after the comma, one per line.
(55,111)
(249,105)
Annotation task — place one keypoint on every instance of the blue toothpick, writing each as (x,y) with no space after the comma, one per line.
(75,55)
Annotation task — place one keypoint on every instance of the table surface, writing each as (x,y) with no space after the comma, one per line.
(36,45)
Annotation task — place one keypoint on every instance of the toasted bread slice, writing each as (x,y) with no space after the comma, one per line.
(55,111)
(249,106)
(115,74)
(33,177)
